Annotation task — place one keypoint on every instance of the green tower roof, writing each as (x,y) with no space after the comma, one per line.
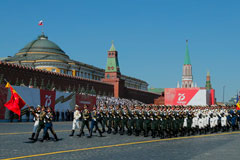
(208,73)
(187,57)
(112,47)
(112,62)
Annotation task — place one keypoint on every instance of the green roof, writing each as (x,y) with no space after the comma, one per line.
(112,47)
(42,44)
(187,57)
(156,90)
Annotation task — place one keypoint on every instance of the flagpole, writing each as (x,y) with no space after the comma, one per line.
(42,30)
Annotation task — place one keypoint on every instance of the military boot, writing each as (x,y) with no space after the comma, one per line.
(32,138)
(72,133)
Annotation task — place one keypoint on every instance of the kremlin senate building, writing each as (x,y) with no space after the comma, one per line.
(46,55)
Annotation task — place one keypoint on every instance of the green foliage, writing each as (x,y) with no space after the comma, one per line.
(17,82)
(35,83)
(42,84)
(30,82)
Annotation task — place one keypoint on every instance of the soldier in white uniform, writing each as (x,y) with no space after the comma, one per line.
(76,120)
(223,122)
(36,114)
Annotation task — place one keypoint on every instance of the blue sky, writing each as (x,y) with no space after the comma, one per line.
(148,34)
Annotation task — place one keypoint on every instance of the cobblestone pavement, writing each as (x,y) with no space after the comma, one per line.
(14,144)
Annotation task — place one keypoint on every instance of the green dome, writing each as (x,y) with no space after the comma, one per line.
(40,49)
(42,44)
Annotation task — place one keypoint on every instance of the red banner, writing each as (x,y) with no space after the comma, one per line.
(47,98)
(3,99)
(179,96)
(88,100)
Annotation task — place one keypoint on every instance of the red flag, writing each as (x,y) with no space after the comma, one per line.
(16,102)
(40,23)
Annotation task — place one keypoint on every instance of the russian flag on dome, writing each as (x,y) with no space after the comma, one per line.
(40,23)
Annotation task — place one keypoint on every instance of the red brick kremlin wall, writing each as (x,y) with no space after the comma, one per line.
(12,72)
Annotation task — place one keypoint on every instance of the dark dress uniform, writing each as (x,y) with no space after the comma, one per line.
(123,121)
(41,124)
(110,120)
(49,126)
(137,124)
(116,119)
(85,121)
(189,124)
(146,122)
(130,122)
(95,119)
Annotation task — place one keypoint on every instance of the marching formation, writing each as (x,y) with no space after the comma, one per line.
(155,121)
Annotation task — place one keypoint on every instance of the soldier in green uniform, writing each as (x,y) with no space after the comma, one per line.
(48,125)
(141,112)
(41,123)
(85,120)
(161,125)
(123,120)
(169,125)
(95,119)
(154,122)
(146,121)
(130,121)
(104,117)
(109,114)
(116,119)
(136,117)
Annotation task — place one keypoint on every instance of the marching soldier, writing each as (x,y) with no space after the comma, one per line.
(146,121)
(130,122)
(116,119)
(36,114)
(48,126)
(110,113)
(41,123)
(76,120)
(85,120)
(94,122)
(124,119)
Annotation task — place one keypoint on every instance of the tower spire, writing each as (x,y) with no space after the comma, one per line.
(187,78)
(112,47)
(187,57)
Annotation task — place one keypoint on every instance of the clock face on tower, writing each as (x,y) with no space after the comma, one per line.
(112,68)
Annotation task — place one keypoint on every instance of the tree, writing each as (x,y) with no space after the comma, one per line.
(17,82)
(82,90)
(69,88)
(59,88)
(52,86)
(48,85)
(35,83)
(74,89)
(104,93)
(42,84)
(22,83)
(93,92)
(79,89)
(30,83)
(87,90)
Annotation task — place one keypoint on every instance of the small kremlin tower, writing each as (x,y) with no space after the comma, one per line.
(187,78)
(208,82)
(112,72)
